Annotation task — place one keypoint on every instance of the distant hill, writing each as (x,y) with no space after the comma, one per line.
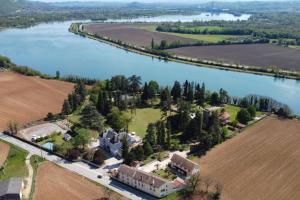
(8,7)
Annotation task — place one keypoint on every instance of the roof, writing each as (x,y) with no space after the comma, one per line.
(11,186)
(224,115)
(183,163)
(142,176)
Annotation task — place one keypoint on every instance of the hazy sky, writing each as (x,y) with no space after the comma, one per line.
(150,1)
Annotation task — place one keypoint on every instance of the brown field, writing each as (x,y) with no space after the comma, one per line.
(27,99)
(53,182)
(4,150)
(262,163)
(132,35)
(261,55)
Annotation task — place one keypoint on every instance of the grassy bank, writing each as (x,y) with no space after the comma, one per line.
(15,164)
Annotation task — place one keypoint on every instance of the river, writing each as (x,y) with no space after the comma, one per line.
(50,47)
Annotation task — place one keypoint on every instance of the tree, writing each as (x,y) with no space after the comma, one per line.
(161,133)
(50,116)
(252,111)
(66,109)
(13,127)
(224,97)
(65,148)
(117,120)
(99,157)
(57,76)
(145,94)
(192,184)
(215,99)
(152,44)
(147,148)
(82,139)
(153,88)
(243,116)
(125,149)
(81,90)
(91,118)
(151,134)
(135,83)
(168,139)
(163,45)
(176,91)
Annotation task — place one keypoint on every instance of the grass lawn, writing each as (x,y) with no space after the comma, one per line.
(142,118)
(165,174)
(156,156)
(202,28)
(55,138)
(207,38)
(15,163)
(233,110)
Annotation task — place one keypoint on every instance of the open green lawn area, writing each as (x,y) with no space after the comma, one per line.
(233,110)
(57,139)
(207,38)
(15,163)
(142,118)
(165,174)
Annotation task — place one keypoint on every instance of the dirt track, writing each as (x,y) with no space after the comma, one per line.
(27,99)
(53,182)
(4,151)
(261,55)
(132,35)
(262,163)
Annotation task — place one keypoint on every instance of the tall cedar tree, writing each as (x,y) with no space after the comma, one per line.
(151,134)
(135,83)
(66,109)
(125,149)
(168,139)
(176,91)
(147,148)
(81,91)
(145,95)
(91,118)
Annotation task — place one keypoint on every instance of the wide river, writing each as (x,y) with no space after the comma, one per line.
(50,47)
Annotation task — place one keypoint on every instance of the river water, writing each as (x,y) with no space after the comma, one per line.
(50,47)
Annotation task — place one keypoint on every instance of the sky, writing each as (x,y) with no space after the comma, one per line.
(152,1)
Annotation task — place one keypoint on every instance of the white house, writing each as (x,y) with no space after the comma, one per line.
(143,181)
(112,141)
(184,166)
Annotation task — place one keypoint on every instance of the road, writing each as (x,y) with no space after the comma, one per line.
(81,169)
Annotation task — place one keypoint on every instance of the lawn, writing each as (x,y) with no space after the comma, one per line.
(202,28)
(141,118)
(233,110)
(207,38)
(15,163)
(165,174)
(57,139)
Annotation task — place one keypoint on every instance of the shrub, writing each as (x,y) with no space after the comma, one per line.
(243,116)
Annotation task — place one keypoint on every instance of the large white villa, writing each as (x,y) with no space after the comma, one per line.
(112,141)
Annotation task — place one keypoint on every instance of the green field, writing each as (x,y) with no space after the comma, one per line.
(15,163)
(207,38)
(202,28)
(233,110)
(141,118)
(148,27)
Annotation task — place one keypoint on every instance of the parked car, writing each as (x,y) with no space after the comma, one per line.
(99,176)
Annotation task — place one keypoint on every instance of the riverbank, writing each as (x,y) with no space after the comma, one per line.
(76,28)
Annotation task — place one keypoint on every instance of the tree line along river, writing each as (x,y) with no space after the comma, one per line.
(50,47)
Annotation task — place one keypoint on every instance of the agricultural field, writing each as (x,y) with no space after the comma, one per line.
(207,38)
(4,149)
(65,185)
(140,36)
(261,55)
(27,99)
(261,163)
(141,118)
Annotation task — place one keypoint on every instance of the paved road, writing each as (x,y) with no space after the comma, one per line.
(83,170)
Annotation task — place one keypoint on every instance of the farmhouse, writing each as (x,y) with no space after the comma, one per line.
(143,181)
(112,141)
(11,189)
(184,166)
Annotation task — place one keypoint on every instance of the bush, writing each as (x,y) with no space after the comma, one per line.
(252,111)
(243,116)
